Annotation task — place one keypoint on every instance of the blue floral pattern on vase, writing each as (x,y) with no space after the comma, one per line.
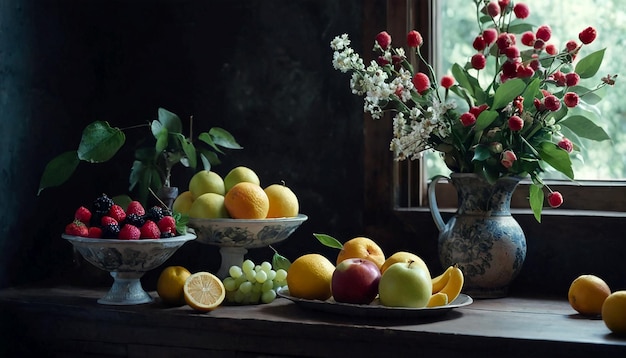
(482,237)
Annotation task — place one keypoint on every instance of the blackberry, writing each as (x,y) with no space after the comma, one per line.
(102,204)
(156,213)
(166,234)
(110,231)
(135,219)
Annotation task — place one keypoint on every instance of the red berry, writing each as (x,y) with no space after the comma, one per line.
(479,43)
(571,45)
(129,232)
(566,144)
(150,230)
(512,52)
(571,99)
(544,33)
(555,199)
(572,79)
(383,39)
(505,40)
(447,81)
(552,103)
(477,110)
(528,38)
(508,158)
(421,82)
(135,207)
(117,213)
(467,119)
(167,224)
(107,220)
(551,50)
(490,35)
(76,228)
(414,39)
(521,10)
(478,61)
(95,232)
(83,215)
(493,9)
(587,35)
(516,123)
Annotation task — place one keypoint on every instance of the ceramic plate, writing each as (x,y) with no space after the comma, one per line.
(375,309)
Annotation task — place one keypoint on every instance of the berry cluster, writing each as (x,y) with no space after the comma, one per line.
(108,220)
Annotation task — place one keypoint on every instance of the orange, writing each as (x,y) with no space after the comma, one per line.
(283,201)
(170,285)
(614,312)
(309,277)
(362,248)
(247,200)
(403,256)
(204,291)
(587,294)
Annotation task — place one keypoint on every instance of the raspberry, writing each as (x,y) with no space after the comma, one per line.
(167,224)
(468,119)
(95,232)
(587,35)
(135,207)
(414,39)
(555,199)
(383,39)
(129,232)
(76,228)
(478,61)
(107,220)
(150,230)
(83,215)
(571,99)
(516,123)
(421,82)
(117,213)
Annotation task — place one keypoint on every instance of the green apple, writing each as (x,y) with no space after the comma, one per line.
(405,284)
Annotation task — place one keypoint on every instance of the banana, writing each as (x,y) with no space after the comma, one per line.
(440,281)
(455,283)
(437,299)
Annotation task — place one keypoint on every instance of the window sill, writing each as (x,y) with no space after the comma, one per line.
(67,321)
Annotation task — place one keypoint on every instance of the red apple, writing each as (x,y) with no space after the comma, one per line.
(355,281)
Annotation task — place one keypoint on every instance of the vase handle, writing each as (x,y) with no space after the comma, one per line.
(432,202)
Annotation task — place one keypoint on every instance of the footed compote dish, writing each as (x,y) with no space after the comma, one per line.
(127,261)
(236,236)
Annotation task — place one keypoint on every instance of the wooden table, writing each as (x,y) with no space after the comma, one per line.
(67,321)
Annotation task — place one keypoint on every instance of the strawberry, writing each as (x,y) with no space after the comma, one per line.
(95,232)
(107,220)
(129,232)
(167,224)
(83,215)
(135,207)
(150,230)
(117,213)
(76,228)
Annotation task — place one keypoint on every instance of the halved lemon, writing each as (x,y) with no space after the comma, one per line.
(204,291)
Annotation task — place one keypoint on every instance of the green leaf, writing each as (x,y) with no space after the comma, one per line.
(161,141)
(536,200)
(585,128)
(208,139)
(481,153)
(170,121)
(557,157)
(208,158)
(329,241)
(189,149)
(59,170)
(181,222)
(531,92)
(485,119)
(100,142)
(279,261)
(589,65)
(507,92)
(223,138)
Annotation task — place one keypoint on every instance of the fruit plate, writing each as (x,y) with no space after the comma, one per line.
(375,309)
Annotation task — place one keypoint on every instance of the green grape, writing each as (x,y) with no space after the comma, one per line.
(230,284)
(256,287)
(281,275)
(257,268)
(239,296)
(250,275)
(268,296)
(266,266)
(247,265)
(245,287)
(230,296)
(278,284)
(254,297)
(260,276)
(271,275)
(241,279)
(235,271)
(267,285)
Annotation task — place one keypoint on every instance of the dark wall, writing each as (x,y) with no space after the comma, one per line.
(260,69)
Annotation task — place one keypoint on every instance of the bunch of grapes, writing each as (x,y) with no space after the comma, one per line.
(250,284)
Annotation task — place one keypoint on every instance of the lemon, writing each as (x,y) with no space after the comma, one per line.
(204,291)
(238,175)
(208,206)
(283,201)
(247,200)
(170,285)
(587,294)
(614,312)
(206,181)
(183,202)
(310,276)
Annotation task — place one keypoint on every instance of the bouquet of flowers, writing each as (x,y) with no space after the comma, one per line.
(505,112)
